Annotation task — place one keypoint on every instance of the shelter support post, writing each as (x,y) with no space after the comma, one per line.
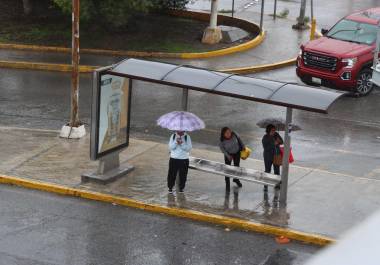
(285,160)
(185,99)
(262,16)
(109,169)
(185,105)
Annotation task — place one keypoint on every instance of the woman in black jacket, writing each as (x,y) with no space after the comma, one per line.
(271,144)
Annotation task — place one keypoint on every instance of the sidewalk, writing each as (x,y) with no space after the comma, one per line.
(319,202)
(281,43)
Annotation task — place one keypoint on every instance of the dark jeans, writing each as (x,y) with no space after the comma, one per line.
(268,169)
(236,160)
(176,166)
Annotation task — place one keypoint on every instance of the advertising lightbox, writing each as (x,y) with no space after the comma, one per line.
(111,107)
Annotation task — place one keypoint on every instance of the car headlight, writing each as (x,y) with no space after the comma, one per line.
(350,62)
(300,52)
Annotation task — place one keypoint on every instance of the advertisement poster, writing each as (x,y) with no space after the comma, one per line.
(113,113)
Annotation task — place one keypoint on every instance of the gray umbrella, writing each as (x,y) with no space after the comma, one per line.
(278,123)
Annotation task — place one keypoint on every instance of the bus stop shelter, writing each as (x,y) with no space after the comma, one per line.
(108,80)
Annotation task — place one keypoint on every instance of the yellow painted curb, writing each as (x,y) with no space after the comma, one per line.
(260,68)
(190,214)
(194,55)
(201,16)
(45,66)
(89,69)
(39,48)
(239,48)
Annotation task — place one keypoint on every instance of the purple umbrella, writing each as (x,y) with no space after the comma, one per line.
(181,121)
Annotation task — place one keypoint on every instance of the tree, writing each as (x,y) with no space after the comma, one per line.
(27,7)
(117,13)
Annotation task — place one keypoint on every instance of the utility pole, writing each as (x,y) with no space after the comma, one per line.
(74,129)
(74,117)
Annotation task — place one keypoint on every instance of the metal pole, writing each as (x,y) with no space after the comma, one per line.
(275,10)
(74,117)
(301,18)
(262,15)
(312,9)
(185,99)
(233,7)
(285,160)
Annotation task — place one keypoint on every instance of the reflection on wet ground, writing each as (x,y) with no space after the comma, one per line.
(42,156)
(267,211)
(284,256)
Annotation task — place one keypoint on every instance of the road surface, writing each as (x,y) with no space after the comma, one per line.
(38,228)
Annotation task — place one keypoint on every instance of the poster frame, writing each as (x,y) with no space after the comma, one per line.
(95,115)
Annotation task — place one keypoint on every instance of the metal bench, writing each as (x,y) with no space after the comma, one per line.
(241,173)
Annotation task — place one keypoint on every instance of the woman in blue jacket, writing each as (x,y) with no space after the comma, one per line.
(179,147)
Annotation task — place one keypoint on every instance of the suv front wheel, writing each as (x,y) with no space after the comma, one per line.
(364,85)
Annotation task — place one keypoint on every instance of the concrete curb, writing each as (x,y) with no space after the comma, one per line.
(45,66)
(202,16)
(260,68)
(239,48)
(195,55)
(184,213)
(90,69)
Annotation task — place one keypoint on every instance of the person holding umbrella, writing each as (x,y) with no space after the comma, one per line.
(180,147)
(179,144)
(271,143)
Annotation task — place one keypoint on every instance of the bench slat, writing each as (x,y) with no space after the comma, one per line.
(241,173)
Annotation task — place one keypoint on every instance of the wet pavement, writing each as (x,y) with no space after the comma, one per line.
(319,201)
(346,141)
(260,55)
(327,12)
(334,182)
(280,37)
(43,229)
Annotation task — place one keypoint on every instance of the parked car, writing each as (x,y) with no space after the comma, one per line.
(343,57)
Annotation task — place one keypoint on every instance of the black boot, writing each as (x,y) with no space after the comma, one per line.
(227,183)
(238,183)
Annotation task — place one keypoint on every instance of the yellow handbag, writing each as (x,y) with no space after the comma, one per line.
(245,153)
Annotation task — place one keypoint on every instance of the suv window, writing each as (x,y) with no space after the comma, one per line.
(349,30)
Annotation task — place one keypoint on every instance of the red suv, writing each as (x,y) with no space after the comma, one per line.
(343,57)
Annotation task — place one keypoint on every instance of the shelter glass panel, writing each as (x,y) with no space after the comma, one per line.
(196,77)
